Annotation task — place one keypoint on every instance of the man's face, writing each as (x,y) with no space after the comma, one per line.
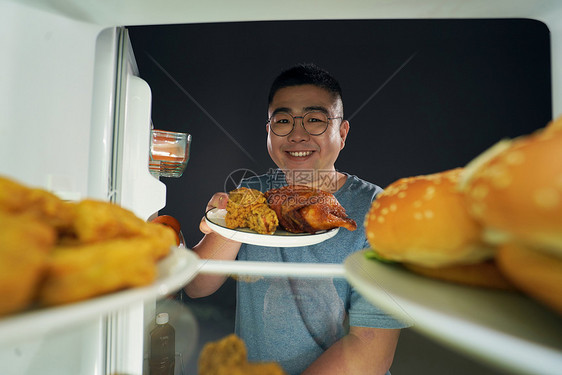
(300,150)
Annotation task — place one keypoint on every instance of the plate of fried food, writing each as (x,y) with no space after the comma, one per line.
(291,216)
(63,262)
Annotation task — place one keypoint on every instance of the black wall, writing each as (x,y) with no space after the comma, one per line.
(422,95)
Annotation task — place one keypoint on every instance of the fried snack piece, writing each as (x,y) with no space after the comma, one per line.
(25,244)
(228,352)
(228,356)
(96,221)
(75,273)
(78,250)
(79,271)
(160,237)
(305,209)
(16,198)
(248,208)
(484,274)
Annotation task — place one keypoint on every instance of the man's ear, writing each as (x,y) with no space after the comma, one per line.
(344,130)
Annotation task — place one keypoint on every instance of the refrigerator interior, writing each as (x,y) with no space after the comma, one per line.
(58,95)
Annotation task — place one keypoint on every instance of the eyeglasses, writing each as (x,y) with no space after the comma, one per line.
(314,123)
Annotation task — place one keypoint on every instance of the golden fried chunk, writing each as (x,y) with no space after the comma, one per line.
(79,272)
(228,356)
(160,237)
(248,208)
(16,198)
(228,352)
(25,244)
(54,252)
(99,220)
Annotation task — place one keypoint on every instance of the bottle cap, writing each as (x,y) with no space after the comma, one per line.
(162,318)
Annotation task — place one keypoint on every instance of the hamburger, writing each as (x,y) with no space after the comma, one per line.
(423,223)
(514,190)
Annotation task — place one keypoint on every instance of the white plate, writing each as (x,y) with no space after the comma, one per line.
(505,329)
(174,271)
(215,220)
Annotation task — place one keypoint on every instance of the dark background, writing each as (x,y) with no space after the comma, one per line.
(469,84)
(422,96)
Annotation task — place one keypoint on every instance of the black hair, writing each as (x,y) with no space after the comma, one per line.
(305,74)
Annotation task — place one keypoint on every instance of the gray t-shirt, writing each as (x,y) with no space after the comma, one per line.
(292,321)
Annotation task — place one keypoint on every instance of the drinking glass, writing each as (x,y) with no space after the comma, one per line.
(169,153)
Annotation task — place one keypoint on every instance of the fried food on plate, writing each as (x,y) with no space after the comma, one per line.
(97,221)
(247,208)
(16,198)
(79,271)
(228,356)
(75,273)
(160,237)
(25,245)
(60,252)
(305,209)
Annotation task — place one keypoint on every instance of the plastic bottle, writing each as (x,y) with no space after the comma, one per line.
(162,347)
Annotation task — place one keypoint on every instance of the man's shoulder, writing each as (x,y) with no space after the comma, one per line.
(356,184)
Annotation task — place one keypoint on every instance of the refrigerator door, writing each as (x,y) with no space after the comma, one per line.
(80,129)
(133,187)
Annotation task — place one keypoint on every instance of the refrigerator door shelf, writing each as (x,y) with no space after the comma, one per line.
(140,191)
(267,269)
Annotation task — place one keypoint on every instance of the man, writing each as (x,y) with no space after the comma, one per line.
(309,326)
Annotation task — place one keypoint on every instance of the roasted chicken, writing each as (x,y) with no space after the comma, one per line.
(301,209)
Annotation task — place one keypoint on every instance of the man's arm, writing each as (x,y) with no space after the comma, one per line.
(363,351)
(212,246)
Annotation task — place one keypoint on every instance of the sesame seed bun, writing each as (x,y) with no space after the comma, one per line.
(536,273)
(423,220)
(515,190)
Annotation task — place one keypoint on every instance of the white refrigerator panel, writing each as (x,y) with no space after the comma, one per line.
(47,66)
(75,120)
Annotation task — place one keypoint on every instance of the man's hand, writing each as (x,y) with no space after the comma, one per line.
(212,246)
(218,200)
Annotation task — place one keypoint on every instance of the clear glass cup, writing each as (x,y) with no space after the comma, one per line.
(169,153)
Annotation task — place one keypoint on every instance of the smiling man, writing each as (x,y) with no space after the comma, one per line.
(306,130)
(309,326)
